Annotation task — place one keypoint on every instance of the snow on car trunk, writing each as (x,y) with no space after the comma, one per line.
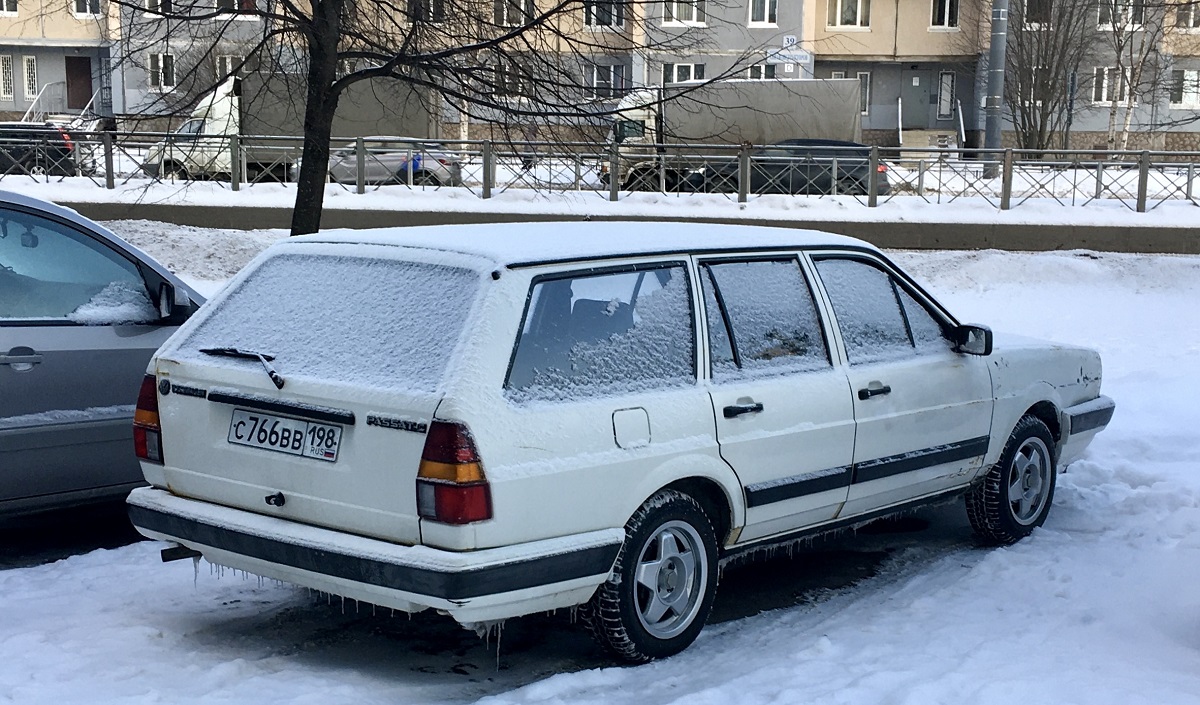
(305,389)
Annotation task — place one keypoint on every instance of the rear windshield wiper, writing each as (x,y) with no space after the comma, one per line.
(249,355)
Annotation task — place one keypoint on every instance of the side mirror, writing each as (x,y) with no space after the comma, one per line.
(973,340)
(172,300)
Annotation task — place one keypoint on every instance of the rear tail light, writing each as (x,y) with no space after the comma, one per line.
(881,168)
(67,138)
(147,436)
(451,486)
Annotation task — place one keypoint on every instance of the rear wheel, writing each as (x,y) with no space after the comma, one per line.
(662,586)
(421,178)
(1015,496)
(170,171)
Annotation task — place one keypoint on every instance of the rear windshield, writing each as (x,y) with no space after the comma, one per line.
(382,323)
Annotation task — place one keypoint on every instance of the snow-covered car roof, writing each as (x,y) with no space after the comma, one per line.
(512,244)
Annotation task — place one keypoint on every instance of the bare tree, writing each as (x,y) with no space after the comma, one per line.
(1049,42)
(1133,32)
(504,62)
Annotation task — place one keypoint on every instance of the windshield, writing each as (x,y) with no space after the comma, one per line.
(625,129)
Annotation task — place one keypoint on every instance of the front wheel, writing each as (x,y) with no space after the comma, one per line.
(662,586)
(1015,496)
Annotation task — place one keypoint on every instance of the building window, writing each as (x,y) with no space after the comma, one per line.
(1121,13)
(677,73)
(1185,88)
(228,65)
(1187,16)
(764,12)
(509,80)
(7,86)
(1109,85)
(158,7)
(427,10)
(1036,14)
(864,92)
(849,13)
(604,13)
(162,72)
(607,81)
(238,6)
(945,14)
(683,12)
(8,7)
(945,96)
(759,72)
(31,80)
(514,13)
(87,8)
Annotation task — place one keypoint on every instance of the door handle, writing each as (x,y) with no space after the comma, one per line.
(736,410)
(31,359)
(874,392)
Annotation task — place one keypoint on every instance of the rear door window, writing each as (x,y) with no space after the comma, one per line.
(599,333)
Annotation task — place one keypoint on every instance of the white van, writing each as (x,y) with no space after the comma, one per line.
(494,420)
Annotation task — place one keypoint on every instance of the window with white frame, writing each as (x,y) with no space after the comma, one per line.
(7,85)
(945,95)
(228,65)
(761,72)
(509,81)
(849,13)
(607,81)
(29,63)
(677,73)
(945,14)
(427,10)
(683,12)
(162,72)
(1187,16)
(514,13)
(1109,85)
(1122,13)
(345,67)
(1185,88)
(764,12)
(238,6)
(87,8)
(1035,14)
(158,7)
(8,7)
(864,92)
(604,13)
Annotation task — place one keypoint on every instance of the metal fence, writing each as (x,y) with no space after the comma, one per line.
(869,176)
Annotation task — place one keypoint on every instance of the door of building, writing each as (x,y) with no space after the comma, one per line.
(79,82)
(915,89)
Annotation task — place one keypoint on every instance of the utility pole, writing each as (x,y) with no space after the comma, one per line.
(994,103)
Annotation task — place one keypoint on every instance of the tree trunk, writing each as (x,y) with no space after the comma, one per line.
(318,116)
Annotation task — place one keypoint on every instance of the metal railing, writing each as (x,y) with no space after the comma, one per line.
(870,176)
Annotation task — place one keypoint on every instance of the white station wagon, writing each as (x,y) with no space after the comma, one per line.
(496,420)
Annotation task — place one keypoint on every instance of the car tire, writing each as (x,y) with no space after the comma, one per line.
(662,586)
(642,180)
(170,171)
(849,186)
(420,178)
(1014,497)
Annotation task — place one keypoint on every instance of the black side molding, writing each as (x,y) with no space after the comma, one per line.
(447,585)
(1096,418)
(291,408)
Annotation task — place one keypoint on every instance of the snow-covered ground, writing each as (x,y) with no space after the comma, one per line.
(1100,606)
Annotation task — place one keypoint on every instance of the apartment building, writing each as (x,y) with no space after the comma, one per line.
(54,53)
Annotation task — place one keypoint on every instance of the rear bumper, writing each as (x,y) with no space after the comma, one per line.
(1081,423)
(471,586)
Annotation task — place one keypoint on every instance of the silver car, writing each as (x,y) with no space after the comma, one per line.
(81,312)
(388,159)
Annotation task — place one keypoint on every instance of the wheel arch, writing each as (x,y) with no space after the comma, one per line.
(709,481)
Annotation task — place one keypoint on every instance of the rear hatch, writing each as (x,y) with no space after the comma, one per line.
(362,337)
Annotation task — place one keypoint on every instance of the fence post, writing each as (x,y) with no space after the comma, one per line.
(873,178)
(744,173)
(1191,174)
(1099,178)
(578,172)
(614,163)
(920,177)
(409,168)
(489,169)
(833,178)
(1143,180)
(107,140)
(360,165)
(235,162)
(1006,179)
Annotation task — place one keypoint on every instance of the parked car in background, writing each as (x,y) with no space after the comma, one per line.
(799,166)
(389,160)
(495,420)
(42,149)
(81,312)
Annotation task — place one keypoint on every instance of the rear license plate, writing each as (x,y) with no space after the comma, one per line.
(293,436)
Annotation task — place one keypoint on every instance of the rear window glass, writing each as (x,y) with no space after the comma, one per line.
(611,333)
(382,323)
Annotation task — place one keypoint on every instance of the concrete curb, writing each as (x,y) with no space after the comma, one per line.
(900,235)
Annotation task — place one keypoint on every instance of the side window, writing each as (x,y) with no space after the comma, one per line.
(773,325)
(927,332)
(591,334)
(875,324)
(51,271)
